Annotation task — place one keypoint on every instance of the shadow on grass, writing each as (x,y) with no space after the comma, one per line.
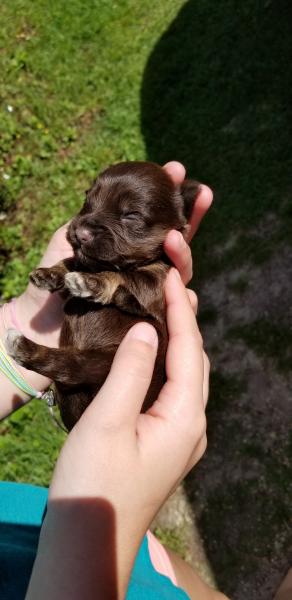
(216,95)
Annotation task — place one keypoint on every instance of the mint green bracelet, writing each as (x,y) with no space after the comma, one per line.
(8,368)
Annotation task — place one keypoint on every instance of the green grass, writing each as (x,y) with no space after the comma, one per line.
(29,445)
(86,84)
(71,78)
(217,87)
(173,539)
(70,106)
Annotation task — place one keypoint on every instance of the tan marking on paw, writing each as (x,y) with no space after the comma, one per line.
(110,284)
(11,342)
(75,283)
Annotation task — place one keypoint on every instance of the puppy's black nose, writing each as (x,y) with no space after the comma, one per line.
(84,235)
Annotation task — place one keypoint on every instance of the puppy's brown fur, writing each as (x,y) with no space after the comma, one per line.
(115,279)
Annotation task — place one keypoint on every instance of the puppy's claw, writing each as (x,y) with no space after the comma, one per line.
(76,285)
(46,279)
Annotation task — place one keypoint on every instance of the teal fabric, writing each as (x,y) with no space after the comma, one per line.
(148,584)
(22,508)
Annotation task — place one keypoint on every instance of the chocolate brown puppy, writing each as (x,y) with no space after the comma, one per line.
(115,279)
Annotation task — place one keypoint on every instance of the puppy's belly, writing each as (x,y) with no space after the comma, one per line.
(88,325)
(98,331)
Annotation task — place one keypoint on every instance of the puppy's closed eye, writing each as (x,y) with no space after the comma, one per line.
(131,216)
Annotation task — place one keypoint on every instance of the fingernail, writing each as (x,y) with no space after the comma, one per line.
(178,238)
(144,333)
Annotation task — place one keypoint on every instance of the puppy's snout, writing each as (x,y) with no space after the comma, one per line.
(84,235)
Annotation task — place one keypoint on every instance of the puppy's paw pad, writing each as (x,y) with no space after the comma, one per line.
(12,342)
(46,279)
(76,285)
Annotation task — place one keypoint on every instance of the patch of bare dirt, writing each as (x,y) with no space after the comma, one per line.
(240,493)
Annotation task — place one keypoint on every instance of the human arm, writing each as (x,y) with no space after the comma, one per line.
(40,316)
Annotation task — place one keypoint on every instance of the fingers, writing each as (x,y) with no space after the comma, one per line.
(201,446)
(204,199)
(180,254)
(121,397)
(184,335)
(175,246)
(176,171)
(202,205)
(182,395)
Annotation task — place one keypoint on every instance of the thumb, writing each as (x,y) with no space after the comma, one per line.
(120,399)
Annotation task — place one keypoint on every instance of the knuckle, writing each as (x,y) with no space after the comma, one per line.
(194,430)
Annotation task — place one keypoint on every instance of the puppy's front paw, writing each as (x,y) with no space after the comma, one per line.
(47,279)
(75,283)
(14,343)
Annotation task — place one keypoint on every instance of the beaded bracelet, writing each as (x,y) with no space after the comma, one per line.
(10,370)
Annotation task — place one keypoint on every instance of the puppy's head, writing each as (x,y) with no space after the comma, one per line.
(127,214)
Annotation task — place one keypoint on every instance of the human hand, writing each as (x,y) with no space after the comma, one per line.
(129,460)
(175,246)
(115,413)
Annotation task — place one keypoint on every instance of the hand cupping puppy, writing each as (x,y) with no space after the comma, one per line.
(114,279)
(117,464)
(173,426)
(123,459)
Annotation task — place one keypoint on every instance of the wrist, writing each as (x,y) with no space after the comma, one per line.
(13,318)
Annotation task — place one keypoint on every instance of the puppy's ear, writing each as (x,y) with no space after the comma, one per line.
(189,190)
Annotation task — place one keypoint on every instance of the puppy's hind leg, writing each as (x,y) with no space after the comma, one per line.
(65,365)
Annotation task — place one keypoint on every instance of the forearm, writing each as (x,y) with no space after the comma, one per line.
(11,396)
(82,554)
